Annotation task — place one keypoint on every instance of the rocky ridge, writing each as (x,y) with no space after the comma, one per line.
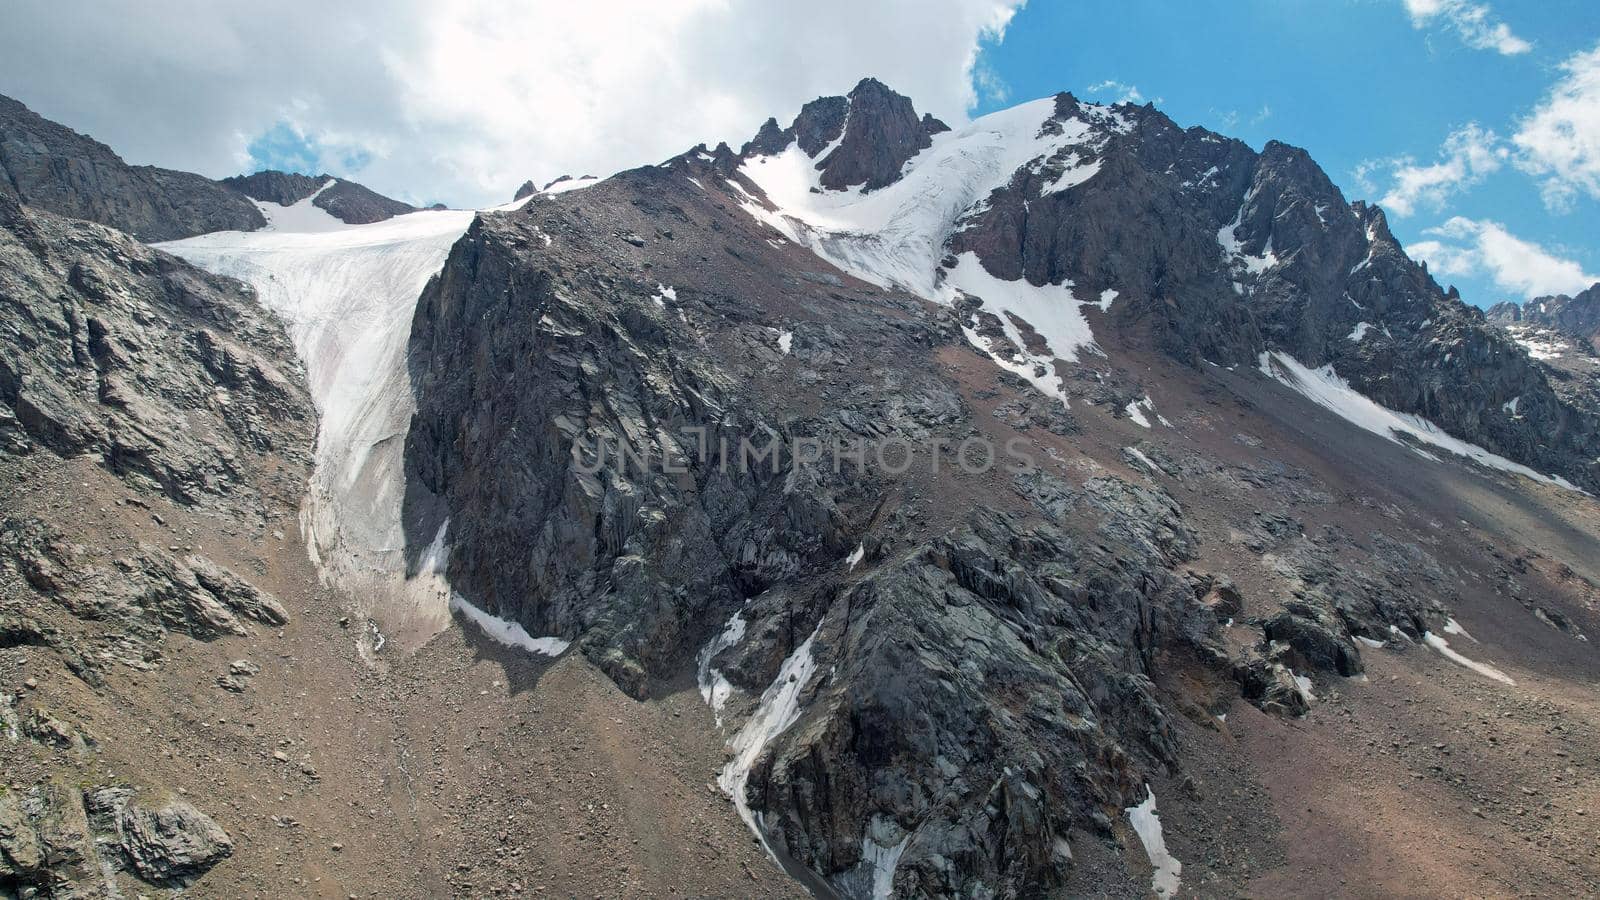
(350,203)
(51,167)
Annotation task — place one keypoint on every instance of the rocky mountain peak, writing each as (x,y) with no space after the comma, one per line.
(347,201)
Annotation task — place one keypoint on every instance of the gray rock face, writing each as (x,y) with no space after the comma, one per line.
(877,130)
(1063,592)
(1219,253)
(51,167)
(166,846)
(346,201)
(528,189)
(168,376)
(55,842)
(1576,317)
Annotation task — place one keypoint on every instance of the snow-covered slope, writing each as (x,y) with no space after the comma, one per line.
(347,293)
(898,236)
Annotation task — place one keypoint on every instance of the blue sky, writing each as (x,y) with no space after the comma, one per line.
(1360,84)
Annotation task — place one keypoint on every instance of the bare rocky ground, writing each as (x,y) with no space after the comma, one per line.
(467,769)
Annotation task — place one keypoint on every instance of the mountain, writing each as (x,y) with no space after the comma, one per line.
(1577,318)
(1064,503)
(350,203)
(1248,414)
(54,168)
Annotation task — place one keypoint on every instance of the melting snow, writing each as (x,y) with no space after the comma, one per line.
(303,216)
(348,295)
(1511,405)
(714,688)
(506,632)
(1135,410)
(1369,642)
(778,709)
(1147,824)
(786,341)
(1234,250)
(1327,389)
(663,294)
(1443,646)
(1360,331)
(856,555)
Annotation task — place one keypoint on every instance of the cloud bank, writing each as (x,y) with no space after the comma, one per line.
(462,101)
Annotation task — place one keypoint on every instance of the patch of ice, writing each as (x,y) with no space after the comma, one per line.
(1324,387)
(663,294)
(1510,406)
(1451,626)
(348,295)
(1360,331)
(714,688)
(507,632)
(855,557)
(1369,642)
(778,709)
(1106,296)
(1139,455)
(897,236)
(1228,240)
(1302,685)
(301,217)
(571,184)
(1147,824)
(883,859)
(1136,409)
(786,341)
(1443,646)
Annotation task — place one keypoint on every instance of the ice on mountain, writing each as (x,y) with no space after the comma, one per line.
(507,632)
(1325,388)
(1146,824)
(1443,647)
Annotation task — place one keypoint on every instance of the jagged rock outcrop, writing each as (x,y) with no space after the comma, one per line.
(56,842)
(528,189)
(1577,317)
(347,201)
(1218,253)
(170,377)
(51,167)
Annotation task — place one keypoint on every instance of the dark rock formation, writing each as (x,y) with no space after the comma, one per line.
(346,201)
(1577,317)
(51,167)
(168,376)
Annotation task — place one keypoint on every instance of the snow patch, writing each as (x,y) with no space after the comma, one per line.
(855,557)
(507,632)
(1369,642)
(1147,824)
(896,236)
(778,709)
(714,688)
(1443,646)
(786,341)
(1359,332)
(1324,387)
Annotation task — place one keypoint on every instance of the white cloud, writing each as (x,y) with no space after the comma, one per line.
(1474,22)
(1464,247)
(1559,142)
(1116,91)
(1468,156)
(461,101)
